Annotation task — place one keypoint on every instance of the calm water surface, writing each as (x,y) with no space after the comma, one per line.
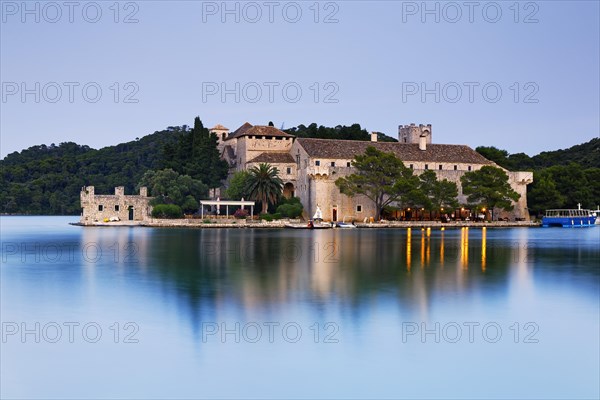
(164,313)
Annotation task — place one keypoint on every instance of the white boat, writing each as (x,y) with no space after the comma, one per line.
(346,225)
(310,225)
(318,214)
(596,213)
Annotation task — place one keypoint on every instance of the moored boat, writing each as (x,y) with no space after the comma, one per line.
(310,225)
(568,218)
(596,213)
(346,225)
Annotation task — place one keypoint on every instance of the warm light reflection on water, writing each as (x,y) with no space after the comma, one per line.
(408,248)
(464,247)
(483,247)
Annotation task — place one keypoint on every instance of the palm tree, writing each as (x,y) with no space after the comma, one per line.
(264,185)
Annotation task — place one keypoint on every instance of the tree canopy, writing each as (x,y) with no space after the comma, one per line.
(264,185)
(380,176)
(195,154)
(489,187)
(437,193)
(352,132)
(238,186)
(169,187)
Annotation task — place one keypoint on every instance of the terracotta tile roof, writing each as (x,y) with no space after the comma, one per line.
(218,127)
(347,149)
(273,158)
(257,130)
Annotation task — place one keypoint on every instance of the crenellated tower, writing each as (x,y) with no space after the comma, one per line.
(413,133)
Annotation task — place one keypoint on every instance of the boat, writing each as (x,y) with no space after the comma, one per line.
(310,225)
(569,218)
(346,225)
(315,223)
(318,214)
(596,213)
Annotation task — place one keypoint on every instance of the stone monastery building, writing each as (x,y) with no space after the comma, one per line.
(309,167)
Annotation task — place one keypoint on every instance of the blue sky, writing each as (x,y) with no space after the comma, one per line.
(380,64)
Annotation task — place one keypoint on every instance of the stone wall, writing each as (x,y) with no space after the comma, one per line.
(97,208)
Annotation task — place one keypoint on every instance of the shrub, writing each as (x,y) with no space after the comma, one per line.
(266,217)
(190,205)
(276,216)
(290,210)
(167,211)
(240,213)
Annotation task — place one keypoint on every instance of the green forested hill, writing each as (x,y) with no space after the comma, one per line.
(561,178)
(587,155)
(47,179)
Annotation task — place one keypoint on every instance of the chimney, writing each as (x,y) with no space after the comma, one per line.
(120,191)
(373,136)
(144,191)
(423,142)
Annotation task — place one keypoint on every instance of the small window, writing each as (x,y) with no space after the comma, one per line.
(333,163)
(411,166)
(116,207)
(289,170)
(100,207)
(317,163)
(469,167)
(358,208)
(426,166)
(440,167)
(455,167)
(348,164)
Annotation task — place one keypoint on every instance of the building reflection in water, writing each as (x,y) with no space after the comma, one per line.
(252,272)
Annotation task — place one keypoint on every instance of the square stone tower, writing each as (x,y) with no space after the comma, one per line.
(412,133)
